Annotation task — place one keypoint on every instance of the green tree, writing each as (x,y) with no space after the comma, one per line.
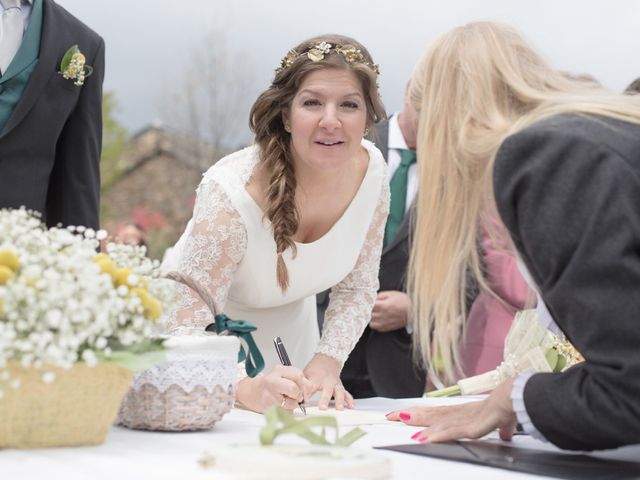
(114,142)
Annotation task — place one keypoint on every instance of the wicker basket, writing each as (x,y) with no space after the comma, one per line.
(77,408)
(191,391)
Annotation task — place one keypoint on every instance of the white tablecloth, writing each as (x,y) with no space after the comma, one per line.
(140,455)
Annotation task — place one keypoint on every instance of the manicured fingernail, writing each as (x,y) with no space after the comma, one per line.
(423,439)
(405,416)
(415,436)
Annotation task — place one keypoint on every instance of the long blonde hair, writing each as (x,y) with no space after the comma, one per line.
(476,85)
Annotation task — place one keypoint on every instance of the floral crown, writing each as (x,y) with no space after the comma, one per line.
(318,51)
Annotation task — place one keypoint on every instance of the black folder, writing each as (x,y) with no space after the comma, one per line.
(570,466)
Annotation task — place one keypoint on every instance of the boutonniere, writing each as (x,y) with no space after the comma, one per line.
(73,67)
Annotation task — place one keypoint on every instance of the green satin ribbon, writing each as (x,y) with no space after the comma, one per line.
(281,421)
(253,360)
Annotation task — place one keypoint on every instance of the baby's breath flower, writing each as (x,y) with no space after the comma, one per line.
(63,303)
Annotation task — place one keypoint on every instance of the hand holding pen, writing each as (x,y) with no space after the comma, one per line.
(284,359)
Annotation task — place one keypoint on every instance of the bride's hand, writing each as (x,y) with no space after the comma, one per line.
(282,386)
(324,373)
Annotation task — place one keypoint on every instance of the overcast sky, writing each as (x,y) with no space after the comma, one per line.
(148,41)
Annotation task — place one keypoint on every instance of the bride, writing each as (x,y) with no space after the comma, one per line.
(300,211)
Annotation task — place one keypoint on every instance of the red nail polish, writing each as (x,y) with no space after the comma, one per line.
(405,416)
(415,436)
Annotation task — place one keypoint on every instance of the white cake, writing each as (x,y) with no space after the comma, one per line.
(297,462)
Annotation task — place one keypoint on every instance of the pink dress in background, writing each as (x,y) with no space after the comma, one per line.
(489,319)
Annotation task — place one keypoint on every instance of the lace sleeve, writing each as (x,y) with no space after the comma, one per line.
(215,244)
(351,301)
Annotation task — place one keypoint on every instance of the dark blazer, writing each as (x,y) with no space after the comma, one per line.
(568,191)
(50,146)
(381,363)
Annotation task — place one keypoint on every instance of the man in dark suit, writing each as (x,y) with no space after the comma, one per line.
(381,363)
(50,126)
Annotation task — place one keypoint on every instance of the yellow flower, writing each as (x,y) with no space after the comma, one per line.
(6,274)
(10,260)
(106,265)
(152,307)
(122,276)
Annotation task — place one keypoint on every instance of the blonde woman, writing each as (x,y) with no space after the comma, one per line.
(300,211)
(560,161)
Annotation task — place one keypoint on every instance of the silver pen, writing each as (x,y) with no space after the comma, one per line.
(284,360)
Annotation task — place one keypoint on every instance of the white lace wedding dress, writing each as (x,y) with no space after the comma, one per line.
(228,248)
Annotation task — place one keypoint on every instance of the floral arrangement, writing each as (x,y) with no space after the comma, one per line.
(528,347)
(62,303)
(73,66)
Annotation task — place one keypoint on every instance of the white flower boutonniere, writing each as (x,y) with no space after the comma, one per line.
(73,67)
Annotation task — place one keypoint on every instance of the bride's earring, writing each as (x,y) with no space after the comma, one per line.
(287,128)
(366,131)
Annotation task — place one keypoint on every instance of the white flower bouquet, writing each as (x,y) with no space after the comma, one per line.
(528,347)
(66,310)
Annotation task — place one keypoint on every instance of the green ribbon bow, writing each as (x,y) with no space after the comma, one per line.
(242,329)
(280,422)
(253,360)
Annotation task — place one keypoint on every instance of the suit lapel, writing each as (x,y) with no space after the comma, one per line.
(403,231)
(48,63)
(381,138)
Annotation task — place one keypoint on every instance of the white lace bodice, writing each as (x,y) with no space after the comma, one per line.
(229,249)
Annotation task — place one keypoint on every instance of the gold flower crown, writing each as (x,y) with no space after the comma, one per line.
(318,51)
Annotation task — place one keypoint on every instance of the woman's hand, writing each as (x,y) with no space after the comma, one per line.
(470,420)
(324,374)
(282,386)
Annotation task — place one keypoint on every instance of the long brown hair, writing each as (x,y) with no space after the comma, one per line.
(266,123)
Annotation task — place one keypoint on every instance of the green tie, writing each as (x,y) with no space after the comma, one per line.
(398,187)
